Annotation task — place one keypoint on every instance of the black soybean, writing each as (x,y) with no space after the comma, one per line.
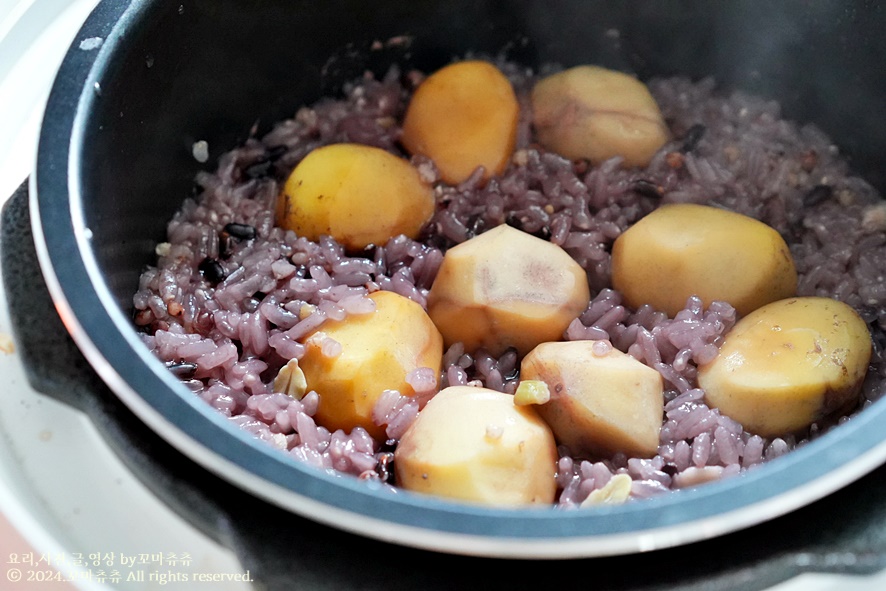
(647,189)
(212,270)
(275,152)
(241,231)
(183,371)
(692,137)
(259,169)
(817,194)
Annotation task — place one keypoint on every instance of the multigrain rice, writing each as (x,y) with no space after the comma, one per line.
(226,305)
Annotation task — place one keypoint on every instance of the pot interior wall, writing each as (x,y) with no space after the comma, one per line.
(211,69)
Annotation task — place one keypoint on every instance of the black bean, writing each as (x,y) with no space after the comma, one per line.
(259,169)
(692,137)
(183,370)
(647,189)
(252,303)
(275,152)
(817,194)
(212,270)
(241,231)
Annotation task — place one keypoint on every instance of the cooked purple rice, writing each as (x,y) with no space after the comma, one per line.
(751,161)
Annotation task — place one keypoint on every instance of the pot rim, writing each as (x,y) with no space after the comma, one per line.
(110,343)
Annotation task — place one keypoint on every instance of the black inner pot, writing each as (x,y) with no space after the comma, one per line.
(210,70)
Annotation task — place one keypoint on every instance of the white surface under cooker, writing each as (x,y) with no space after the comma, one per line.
(73,505)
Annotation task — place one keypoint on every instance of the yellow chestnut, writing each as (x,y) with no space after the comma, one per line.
(378,351)
(474,444)
(602,401)
(506,288)
(463,116)
(681,250)
(359,195)
(594,113)
(788,364)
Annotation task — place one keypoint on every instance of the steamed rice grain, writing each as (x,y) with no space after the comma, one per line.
(233,327)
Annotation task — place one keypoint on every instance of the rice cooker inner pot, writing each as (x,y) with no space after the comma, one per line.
(211,71)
